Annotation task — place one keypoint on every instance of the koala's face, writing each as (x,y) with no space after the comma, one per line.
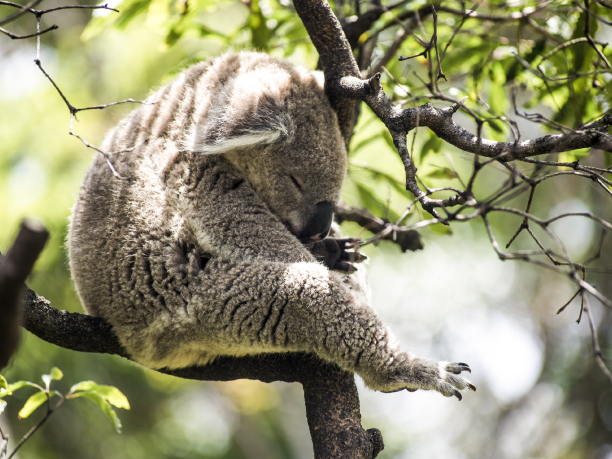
(274,123)
(300,180)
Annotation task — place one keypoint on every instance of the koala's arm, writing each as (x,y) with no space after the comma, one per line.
(229,220)
(241,308)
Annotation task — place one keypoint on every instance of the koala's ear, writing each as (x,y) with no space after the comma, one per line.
(242,122)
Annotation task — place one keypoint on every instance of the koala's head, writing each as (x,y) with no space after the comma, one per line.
(273,121)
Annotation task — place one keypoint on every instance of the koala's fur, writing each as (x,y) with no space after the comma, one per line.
(197,252)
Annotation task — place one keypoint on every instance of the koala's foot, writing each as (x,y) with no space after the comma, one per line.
(338,254)
(415,373)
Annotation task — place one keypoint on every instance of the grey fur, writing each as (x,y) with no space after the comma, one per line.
(195,254)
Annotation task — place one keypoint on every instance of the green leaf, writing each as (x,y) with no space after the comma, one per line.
(365,142)
(32,403)
(374,204)
(433,144)
(17,385)
(104,406)
(440,229)
(442,173)
(387,136)
(498,99)
(3,383)
(571,156)
(497,128)
(55,374)
(110,393)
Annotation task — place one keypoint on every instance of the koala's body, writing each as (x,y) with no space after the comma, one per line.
(198,251)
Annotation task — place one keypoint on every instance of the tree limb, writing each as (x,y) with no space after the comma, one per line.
(343,85)
(406,239)
(332,401)
(14,269)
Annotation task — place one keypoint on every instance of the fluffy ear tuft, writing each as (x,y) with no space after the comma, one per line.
(264,125)
(249,110)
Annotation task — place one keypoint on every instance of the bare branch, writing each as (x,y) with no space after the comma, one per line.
(599,358)
(406,239)
(23,10)
(20,37)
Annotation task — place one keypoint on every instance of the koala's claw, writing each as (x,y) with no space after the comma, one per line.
(335,254)
(458,367)
(455,382)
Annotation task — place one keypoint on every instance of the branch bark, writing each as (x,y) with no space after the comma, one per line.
(332,401)
(406,239)
(14,269)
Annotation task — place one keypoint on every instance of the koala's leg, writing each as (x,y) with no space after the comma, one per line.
(245,308)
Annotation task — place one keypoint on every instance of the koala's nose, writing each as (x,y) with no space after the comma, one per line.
(319,224)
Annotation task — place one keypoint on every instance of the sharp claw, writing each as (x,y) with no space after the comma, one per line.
(465,367)
(472,387)
(457,394)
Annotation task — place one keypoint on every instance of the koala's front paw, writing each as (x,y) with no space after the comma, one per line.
(338,254)
(448,384)
(414,373)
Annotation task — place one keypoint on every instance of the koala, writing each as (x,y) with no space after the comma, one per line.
(229,174)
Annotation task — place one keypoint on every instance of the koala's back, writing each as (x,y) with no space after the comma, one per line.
(132,250)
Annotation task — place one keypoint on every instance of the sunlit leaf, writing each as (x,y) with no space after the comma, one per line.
(158,13)
(32,403)
(104,406)
(17,385)
(442,173)
(571,156)
(498,99)
(374,204)
(387,136)
(440,229)
(361,144)
(55,374)
(110,393)
(433,144)
(3,383)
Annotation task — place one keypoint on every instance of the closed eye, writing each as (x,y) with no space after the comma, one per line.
(297,183)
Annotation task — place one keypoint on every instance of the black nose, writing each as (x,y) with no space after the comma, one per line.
(319,224)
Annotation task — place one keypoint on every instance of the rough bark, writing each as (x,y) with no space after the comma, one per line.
(14,269)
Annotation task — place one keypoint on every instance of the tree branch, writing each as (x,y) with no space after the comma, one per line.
(343,84)
(332,401)
(406,239)
(14,269)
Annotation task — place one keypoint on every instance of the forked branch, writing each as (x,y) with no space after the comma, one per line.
(344,85)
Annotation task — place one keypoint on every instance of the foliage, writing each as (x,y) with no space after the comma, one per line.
(103,396)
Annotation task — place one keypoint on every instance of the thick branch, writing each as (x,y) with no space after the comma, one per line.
(332,401)
(440,121)
(335,55)
(14,269)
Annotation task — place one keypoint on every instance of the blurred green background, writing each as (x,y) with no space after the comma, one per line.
(540,394)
